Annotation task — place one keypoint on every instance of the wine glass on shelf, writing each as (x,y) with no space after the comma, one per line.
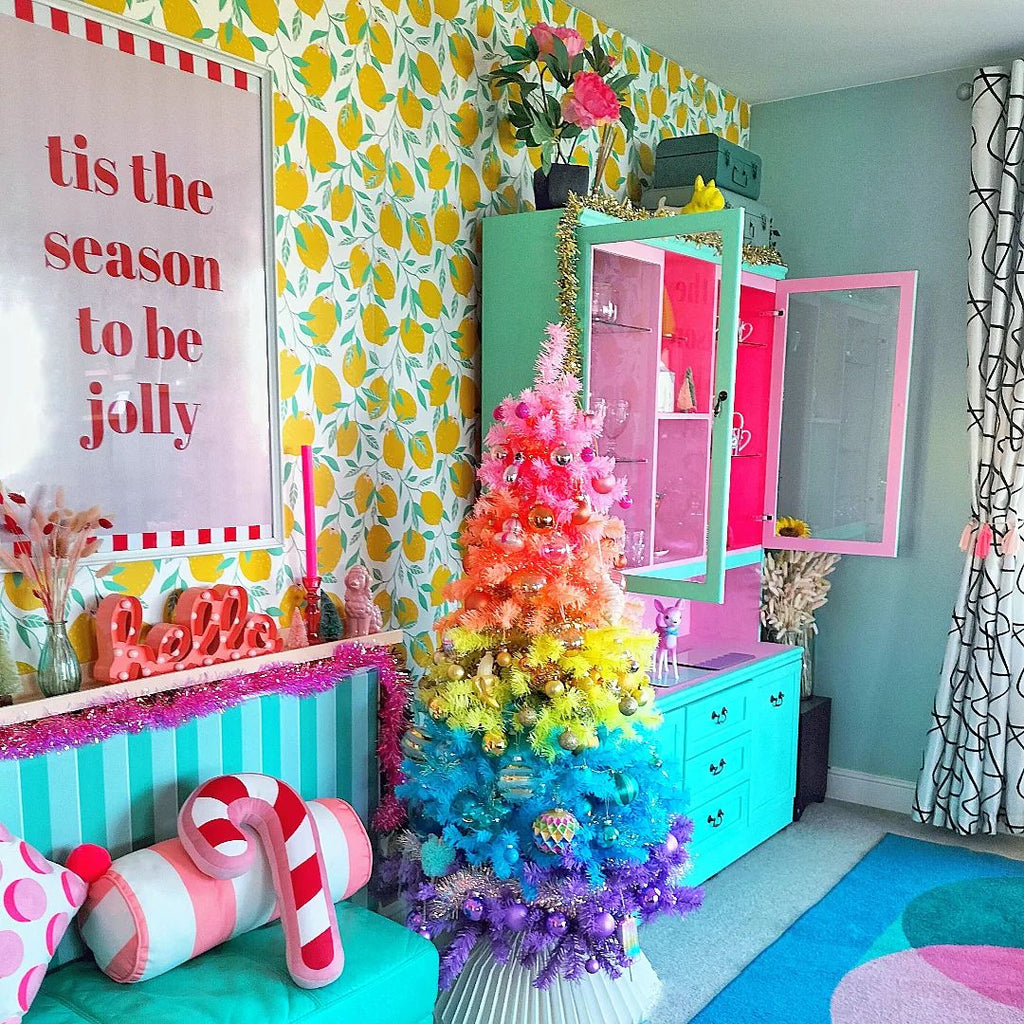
(615,419)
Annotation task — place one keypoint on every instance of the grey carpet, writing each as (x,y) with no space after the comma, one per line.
(749,904)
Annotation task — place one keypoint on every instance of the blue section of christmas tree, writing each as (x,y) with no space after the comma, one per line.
(542,818)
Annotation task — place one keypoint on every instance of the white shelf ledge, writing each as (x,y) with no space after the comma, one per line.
(95,694)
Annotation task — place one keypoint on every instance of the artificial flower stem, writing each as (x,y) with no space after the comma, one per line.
(604,151)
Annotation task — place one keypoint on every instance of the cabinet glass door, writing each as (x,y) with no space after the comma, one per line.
(661,367)
(841,368)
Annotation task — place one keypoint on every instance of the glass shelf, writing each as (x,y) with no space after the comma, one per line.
(607,326)
(699,417)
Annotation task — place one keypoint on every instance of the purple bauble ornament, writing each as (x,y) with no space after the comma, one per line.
(625,501)
(588,455)
(425,932)
(473,908)
(650,897)
(603,925)
(499,413)
(592,966)
(671,843)
(522,410)
(415,921)
(556,924)
(515,917)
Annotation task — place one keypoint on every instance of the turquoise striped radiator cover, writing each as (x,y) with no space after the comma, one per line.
(124,793)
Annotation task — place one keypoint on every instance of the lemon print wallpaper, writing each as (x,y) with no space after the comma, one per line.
(389,149)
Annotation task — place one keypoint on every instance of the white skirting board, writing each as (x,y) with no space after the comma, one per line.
(879,791)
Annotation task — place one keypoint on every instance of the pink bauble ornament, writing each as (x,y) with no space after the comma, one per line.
(522,410)
(583,512)
(588,454)
(476,601)
(499,413)
(603,484)
(625,501)
(556,550)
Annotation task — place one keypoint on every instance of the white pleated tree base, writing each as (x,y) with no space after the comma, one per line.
(487,992)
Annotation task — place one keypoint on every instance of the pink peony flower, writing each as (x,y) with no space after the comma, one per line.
(545,36)
(590,101)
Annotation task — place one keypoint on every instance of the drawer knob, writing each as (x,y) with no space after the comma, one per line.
(719,717)
(716,769)
(777,699)
(715,820)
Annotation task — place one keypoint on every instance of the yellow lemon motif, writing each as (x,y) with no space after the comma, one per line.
(446,9)
(326,390)
(355,21)
(371,87)
(320,145)
(282,279)
(350,126)
(329,547)
(289,520)
(387,501)
(377,398)
(744,114)
(431,508)
(289,373)
(135,577)
(323,320)
(378,540)
(430,74)
(463,278)
(463,59)
(345,439)
(419,234)
(312,245)
(389,226)
(440,385)
(353,369)
(420,11)
(409,108)
(467,124)
(290,603)
(462,478)
(255,565)
(440,168)
(317,70)
(430,298)
(654,61)
(404,406)
(484,20)
(290,187)
(375,324)
(394,450)
(441,578)
(646,155)
(414,546)
(729,101)
(506,138)
(466,339)
(231,39)
(411,335)
(469,401)
(323,484)
(405,607)
(421,449)
(358,265)
(446,436)
(383,281)
(373,166)
(469,188)
(117,6)
(342,202)
(711,102)
(732,133)
(297,431)
(362,493)
(446,224)
(179,17)
(311,8)
(264,15)
(380,43)
(659,102)
(82,634)
(675,77)
(207,568)
(284,117)
(401,181)
(491,171)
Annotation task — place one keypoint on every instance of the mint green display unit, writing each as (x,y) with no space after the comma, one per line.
(689,351)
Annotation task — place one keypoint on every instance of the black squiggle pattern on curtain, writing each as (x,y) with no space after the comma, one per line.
(972,778)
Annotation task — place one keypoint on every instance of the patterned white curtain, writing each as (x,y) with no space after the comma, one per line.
(972,779)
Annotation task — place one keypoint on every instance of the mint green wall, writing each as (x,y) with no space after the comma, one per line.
(865,180)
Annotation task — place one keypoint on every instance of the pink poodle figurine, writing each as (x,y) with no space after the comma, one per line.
(362,616)
(667,623)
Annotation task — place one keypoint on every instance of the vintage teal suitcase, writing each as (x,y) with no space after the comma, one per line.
(678,161)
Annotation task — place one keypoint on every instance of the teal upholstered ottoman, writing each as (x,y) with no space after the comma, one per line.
(390,976)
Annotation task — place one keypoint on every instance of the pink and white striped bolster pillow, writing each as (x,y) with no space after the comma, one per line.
(154,909)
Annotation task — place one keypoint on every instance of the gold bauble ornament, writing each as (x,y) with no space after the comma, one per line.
(504,659)
(645,696)
(554,687)
(540,517)
(527,716)
(628,706)
(568,740)
(495,743)
(456,672)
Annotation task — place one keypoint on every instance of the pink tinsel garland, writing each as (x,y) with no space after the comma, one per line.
(174,708)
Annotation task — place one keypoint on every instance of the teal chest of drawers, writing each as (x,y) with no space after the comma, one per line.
(732,737)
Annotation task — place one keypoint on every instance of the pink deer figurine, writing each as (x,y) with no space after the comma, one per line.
(667,623)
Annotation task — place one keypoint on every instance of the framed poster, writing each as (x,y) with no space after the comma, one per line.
(137,323)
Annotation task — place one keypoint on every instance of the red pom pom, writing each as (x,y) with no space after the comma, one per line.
(89,862)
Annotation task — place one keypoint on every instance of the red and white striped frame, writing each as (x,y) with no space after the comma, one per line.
(145,42)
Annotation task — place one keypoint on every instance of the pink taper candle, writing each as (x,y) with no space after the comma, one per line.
(309,506)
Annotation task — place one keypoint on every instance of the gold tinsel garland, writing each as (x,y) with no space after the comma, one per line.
(568,252)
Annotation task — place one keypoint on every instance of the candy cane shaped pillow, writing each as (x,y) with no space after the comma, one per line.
(154,909)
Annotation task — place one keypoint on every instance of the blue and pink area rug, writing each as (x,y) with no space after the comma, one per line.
(916,933)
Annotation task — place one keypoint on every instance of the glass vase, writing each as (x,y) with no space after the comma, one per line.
(803,638)
(59,671)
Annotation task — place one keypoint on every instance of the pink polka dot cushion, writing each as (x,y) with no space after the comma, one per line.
(38,899)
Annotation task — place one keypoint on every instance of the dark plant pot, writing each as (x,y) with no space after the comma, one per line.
(551,190)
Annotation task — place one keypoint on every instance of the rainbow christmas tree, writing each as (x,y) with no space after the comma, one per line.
(542,819)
